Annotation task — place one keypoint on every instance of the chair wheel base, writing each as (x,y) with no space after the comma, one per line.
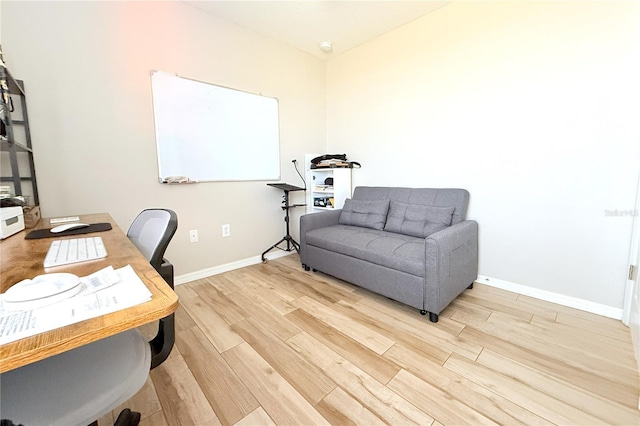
(128,418)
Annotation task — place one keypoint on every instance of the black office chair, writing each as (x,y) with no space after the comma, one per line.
(81,385)
(151,231)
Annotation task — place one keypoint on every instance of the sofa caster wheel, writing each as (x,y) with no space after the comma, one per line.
(470,286)
(433,317)
(423,312)
(305,267)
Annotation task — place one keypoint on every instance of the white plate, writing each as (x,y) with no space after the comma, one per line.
(43,287)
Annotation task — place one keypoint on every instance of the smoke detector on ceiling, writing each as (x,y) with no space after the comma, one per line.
(326,46)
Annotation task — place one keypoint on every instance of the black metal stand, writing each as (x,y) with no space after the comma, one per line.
(291,243)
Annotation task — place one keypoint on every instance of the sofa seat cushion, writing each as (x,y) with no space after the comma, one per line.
(396,251)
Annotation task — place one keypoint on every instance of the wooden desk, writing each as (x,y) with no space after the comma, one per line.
(20,259)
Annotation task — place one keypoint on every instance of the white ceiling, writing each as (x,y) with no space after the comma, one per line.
(304,24)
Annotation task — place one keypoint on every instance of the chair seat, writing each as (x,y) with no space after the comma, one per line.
(102,376)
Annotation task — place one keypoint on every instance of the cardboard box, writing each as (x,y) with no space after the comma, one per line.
(31,216)
(12,221)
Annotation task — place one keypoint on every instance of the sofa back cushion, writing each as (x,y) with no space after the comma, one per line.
(416,219)
(437,197)
(364,213)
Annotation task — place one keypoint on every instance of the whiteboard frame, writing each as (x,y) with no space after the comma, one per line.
(242,160)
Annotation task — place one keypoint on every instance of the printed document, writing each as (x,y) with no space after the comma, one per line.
(105,291)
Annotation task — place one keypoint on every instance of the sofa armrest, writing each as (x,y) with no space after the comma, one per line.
(451,263)
(313,221)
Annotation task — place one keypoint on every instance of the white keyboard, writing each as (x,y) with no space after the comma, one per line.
(63,252)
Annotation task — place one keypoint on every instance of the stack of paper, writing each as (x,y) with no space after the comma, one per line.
(103,292)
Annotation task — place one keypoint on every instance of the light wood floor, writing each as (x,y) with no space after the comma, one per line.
(272,344)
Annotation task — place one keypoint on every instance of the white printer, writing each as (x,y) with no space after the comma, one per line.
(12,221)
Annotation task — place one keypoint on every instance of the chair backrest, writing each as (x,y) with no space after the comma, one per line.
(151,231)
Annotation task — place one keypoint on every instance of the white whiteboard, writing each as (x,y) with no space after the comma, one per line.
(212,133)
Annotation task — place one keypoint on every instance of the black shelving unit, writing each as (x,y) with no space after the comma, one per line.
(15,138)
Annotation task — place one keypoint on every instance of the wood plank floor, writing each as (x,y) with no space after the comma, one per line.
(271,344)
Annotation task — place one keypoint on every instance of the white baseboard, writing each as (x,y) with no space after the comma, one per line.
(560,299)
(197,275)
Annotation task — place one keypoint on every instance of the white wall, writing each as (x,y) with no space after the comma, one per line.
(531,106)
(86,69)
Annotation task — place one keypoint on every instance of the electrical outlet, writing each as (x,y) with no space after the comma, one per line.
(193,235)
(226,231)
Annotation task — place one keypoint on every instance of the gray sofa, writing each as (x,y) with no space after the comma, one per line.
(412,245)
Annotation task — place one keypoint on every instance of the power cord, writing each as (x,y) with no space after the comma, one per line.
(295,165)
